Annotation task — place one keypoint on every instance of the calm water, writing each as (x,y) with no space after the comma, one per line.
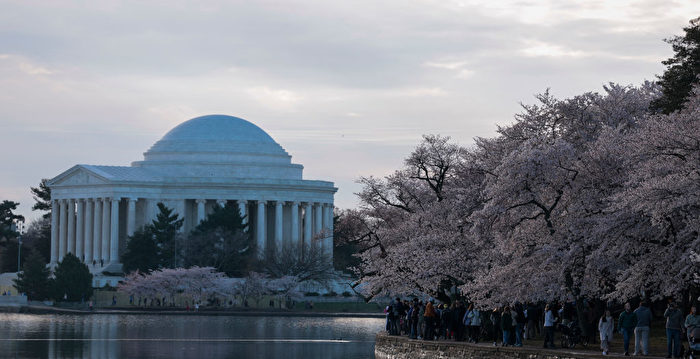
(202,337)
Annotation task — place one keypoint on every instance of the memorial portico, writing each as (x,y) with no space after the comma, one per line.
(205,162)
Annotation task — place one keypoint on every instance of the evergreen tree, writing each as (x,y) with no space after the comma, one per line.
(165,229)
(38,237)
(7,221)
(221,241)
(141,252)
(682,70)
(8,255)
(34,278)
(42,196)
(72,280)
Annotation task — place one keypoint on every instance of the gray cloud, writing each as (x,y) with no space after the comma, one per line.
(347,88)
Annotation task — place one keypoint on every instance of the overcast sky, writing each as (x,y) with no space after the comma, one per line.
(347,88)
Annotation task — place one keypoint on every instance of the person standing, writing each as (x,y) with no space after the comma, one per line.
(430,317)
(495,319)
(457,316)
(421,319)
(532,321)
(397,313)
(506,325)
(549,321)
(475,327)
(520,320)
(641,331)
(692,321)
(625,325)
(606,325)
(673,330)
(413,315)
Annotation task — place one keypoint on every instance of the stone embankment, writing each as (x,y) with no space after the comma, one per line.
(392,347)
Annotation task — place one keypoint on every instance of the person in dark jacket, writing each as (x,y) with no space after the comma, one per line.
(413,318)
(457,316)
(520,322)
(430,316)
(674,320)
(446,321)
(495,321)
(506,326)
(641,330)
(532,322)
(625,325)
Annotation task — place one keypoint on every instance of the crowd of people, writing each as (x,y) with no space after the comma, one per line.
(512,325)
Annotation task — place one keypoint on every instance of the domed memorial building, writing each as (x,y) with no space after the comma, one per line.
(204,162)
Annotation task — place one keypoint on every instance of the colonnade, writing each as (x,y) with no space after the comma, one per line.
(90,227)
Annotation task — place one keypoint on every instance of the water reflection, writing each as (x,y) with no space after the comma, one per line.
(161,336)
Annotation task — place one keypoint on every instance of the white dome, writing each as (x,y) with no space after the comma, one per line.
(215,133)
(220,146)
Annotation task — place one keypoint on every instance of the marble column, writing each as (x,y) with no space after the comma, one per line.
(89,235)
(80,229)
(114,233)
(318,222)
(243,208)
(278,225)
(201,214)
(62,227)
(97,230)
(295,224)
(261,229)
(71,226)
(106,205)
(307,223)
(328,227)
(151,210)
(131,217)
(55,213)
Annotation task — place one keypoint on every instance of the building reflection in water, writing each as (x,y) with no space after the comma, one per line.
(185,336)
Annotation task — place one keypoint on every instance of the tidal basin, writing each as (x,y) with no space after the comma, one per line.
(186,336)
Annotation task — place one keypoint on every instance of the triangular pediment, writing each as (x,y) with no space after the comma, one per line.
(78,175)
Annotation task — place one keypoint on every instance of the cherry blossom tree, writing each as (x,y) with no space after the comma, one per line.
(195,283)
(549,209)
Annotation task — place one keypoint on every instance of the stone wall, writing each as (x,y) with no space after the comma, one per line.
(391,347)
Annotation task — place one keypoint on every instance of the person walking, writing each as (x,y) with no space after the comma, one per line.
(641,331)
(549,321)
(506,325)
(673,330)
(692,321)
(606,326)
(625,325)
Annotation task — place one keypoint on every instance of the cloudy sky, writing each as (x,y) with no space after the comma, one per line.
(347,88)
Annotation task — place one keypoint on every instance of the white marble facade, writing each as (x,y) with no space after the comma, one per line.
(204,162)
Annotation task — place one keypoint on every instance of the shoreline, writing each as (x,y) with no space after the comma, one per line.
(402,347)
(36,309)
